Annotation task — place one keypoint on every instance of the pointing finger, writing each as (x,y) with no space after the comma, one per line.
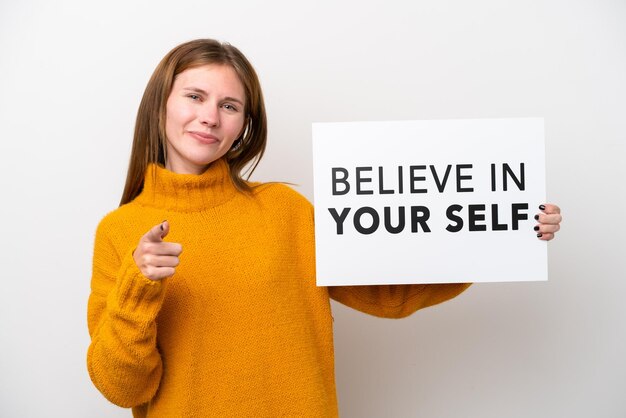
(157,232)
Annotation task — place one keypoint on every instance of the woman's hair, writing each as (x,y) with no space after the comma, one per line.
(149,142)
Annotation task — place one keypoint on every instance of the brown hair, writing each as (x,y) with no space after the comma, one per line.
(149,142)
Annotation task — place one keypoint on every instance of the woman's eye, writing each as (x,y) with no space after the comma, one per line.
(194,97)
(228,106)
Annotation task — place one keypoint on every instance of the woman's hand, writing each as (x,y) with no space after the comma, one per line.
(548,221)
(156,258)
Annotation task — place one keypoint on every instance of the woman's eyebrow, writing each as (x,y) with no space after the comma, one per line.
(195,90)
(233,99)
(200,91)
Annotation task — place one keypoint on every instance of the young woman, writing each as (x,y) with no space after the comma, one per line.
(203,297)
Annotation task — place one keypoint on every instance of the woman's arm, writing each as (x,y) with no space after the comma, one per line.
(123,360)
(395,301)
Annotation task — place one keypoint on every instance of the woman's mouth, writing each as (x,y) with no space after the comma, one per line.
(204,137)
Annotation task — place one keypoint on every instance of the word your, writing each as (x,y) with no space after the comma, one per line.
(419,215)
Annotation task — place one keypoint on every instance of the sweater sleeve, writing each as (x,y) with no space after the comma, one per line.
(395,301)
(122,359)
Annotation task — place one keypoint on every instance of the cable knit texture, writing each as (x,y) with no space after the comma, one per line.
(241,329)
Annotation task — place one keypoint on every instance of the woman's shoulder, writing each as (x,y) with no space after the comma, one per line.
(117,217)
(280,192)
(288,207)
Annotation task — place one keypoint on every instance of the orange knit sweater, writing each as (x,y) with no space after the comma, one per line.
(241,329)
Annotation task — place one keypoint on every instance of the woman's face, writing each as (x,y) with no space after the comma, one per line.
(204,116)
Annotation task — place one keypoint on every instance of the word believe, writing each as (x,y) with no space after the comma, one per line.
(342,185)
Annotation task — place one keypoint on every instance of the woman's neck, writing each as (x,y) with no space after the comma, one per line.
(180,192)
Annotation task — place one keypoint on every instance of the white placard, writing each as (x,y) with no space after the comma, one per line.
(438,201)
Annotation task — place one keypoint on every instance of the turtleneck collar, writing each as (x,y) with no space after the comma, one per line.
(186,192)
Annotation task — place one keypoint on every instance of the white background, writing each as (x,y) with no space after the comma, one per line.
(71,77)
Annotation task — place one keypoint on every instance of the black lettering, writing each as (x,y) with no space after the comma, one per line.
(415,178)
(516,216)
(519,182)
(381,188)
(494,220)
(419,216)
(451,215)
(460,177)
(390,228)
(342,180)
(339,218)
(473,216)
(360,180)
(375,220)
(440,185)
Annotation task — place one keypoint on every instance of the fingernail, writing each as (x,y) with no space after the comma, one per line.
(542,207)
(536,228)
(536,217)
(162,222)
(539,235)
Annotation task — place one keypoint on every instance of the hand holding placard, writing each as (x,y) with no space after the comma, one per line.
(549,221)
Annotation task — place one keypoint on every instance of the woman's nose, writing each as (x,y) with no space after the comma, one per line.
(209,116)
